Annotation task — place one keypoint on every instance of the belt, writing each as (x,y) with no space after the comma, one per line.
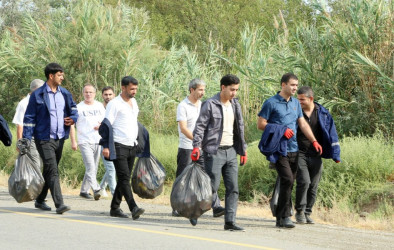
(225,147)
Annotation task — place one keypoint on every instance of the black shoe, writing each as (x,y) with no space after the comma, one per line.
(85,195)
(286,222)
(300,217)
(193,221)
(63,208)
(219,211)
(278,222)
(42,206)
(232,227)
(117,213)
(136,212)
(309,219)
(175,213)
(97,194)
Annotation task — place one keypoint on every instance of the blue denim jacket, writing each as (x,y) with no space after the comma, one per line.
(208,131)
(37,121)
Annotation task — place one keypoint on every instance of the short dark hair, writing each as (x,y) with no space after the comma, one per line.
(52,68)
(129,79)
(229,79)
(107,88)
(287,77)
(305,90)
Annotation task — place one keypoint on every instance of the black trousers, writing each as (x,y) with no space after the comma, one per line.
(308,177)
(51,153)
(286,167)
(183,159)
(125,156)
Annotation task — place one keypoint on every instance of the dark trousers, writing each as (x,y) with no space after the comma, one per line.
(308,177)
(225,163)
(51,153)
(125,156)
(286,167)
(183,159)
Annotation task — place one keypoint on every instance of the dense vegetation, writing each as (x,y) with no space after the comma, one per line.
(344,50)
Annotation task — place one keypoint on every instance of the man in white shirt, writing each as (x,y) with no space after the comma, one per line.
(122,113)
(91,113)
(18,120)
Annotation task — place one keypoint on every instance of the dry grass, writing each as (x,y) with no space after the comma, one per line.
(334,216)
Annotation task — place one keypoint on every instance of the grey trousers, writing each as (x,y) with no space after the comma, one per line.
(34,155)
(91,157)
(225,163)
(308,177)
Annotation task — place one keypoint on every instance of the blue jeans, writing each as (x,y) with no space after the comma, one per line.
(109,177)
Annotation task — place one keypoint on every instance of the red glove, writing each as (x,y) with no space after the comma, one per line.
(195,154)
(288,133)
(337,161)
(244,159)
(317,147)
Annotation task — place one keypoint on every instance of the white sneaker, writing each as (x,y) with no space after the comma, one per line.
(104,193)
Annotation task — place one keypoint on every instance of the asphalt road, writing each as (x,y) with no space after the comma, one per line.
(89,226)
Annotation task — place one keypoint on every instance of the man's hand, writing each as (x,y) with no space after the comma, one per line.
(195,154)
(244,159)
(317,147)
(288,133)
(337,161)
(74,146)
(68,121)
(106,153)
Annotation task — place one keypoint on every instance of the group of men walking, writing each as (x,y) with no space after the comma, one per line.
(210,133)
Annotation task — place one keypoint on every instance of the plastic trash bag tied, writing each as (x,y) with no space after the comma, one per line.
(191,194)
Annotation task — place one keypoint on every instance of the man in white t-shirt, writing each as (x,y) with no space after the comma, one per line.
(18,120)
(91,113)
(122,114)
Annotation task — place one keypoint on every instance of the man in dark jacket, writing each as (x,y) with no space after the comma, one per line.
(219,132)
(48,117)
(309,161)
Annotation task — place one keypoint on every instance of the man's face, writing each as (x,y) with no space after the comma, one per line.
(199,92)
(230,91)
(57,78)
(130,90)
(108,95)
(305,101)
(89,93)
(290,88)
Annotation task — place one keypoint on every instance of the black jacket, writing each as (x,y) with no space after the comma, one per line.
(5,133)
(107,138)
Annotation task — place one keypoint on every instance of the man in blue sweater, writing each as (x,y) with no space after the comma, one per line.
(283,109)
(309,161)
(48,117)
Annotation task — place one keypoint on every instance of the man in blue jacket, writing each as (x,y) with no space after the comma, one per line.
(48,117)
(309,161)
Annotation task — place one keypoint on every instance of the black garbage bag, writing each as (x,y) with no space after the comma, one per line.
(191,194)
(275,198)
(26,181)
(148,177)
